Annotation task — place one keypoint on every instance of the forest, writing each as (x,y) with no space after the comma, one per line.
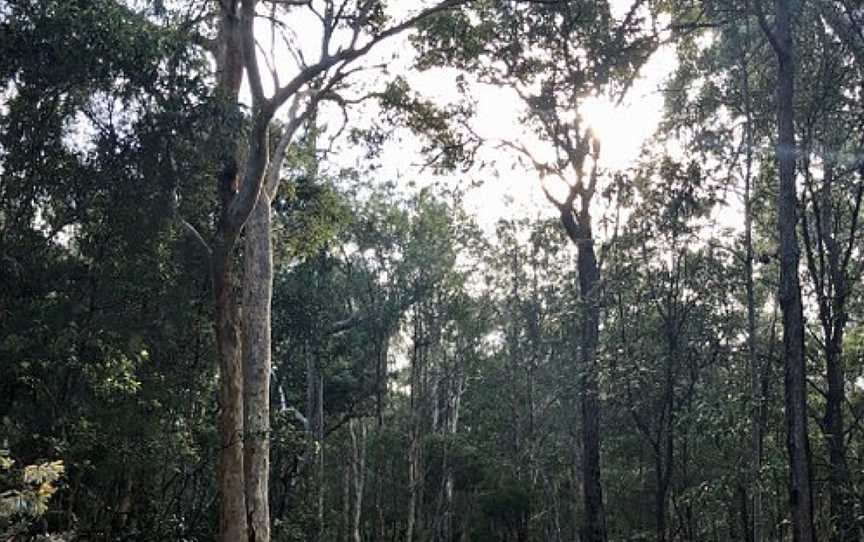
(272,270)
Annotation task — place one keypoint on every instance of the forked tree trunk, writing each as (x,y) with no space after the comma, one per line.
(830,277)
(234,50)
(257,341)
(232,502)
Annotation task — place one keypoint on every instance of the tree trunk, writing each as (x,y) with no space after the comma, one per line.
(315,440)
(257,341)
(755,534)
(415,459)
(594,528)
(413,483)
(834,320)
(358,469)
(838,476)
(660,502)
(257,297)
(797,440)
(345,525)
(232,509)
(829,274)
(382,353)
(232,502)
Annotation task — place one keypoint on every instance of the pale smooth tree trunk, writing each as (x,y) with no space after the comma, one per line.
(314,440)
(257,298)
(234,51)
(232,490)
(257,340)
(345,524)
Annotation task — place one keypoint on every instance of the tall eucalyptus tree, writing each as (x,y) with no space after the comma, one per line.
(349,32)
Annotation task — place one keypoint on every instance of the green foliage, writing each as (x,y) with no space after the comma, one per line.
(25,493)
(413,321)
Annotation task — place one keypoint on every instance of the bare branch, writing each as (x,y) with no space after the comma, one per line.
(288,131)
(274,76)
(353,53)
(346,324)
(175,210)
(766,28)
(189,228)
(250,58)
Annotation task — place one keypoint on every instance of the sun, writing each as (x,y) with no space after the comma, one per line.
(621,129)
(600,115)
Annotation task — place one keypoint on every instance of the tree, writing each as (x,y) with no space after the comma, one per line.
(577,51)
(243,488)
(798,442)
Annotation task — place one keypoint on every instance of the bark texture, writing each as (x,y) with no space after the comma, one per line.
(232,502)
(257,298)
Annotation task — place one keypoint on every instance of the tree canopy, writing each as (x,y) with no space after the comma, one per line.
(247,291)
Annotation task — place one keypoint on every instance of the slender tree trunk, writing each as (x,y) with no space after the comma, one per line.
(743,512)
(381,377)
(314,433)
(345,526)
(664,448)
(257,297)
(663,467)
(380,526)
(797,439)
(755,378)
(358,466)
(413,483)
(755,370)
(319,457)
(834,326)
(415,460)
(838,476)
(660,500)
(829,276)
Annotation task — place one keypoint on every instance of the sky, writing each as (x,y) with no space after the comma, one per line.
(508,190)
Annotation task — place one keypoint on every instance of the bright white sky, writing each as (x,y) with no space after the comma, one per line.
(508,190)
